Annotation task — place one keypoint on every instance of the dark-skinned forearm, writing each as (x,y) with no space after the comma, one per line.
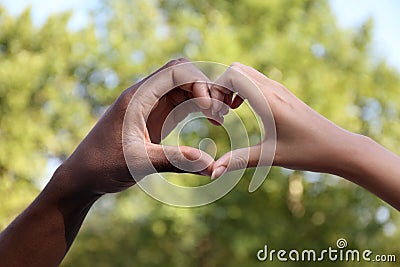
(43,233)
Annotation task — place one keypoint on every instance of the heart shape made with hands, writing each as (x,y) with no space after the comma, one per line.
(213,98)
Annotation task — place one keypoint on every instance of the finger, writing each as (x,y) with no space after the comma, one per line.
(228,98)
(218,95)
(180,73)
(174,114)
(237,101)
(180,159)
(202,95)
(190,78)
(200,92)
(177,96)
(227,81)
(226,105)
(143,97)
(237,159)
(260,79)
(238,80)
(132,89)
(146,94)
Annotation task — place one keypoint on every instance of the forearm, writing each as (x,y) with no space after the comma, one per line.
(365,162)
(43,233)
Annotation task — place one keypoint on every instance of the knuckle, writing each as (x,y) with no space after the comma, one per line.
(183,60)
(124,99)
(177,61)
(241,162)
(236,64)
(189,153)
(172,62)
(183,151)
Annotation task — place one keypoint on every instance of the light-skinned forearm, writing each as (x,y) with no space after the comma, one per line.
(365,162)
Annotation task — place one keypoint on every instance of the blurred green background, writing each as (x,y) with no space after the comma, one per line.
(55,82)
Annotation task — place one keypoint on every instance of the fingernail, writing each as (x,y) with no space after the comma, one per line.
(216,106)
(204,103)
(218,172)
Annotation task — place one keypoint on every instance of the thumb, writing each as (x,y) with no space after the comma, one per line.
(180,159)
(236,159)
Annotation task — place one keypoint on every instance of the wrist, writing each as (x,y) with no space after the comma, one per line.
(349,150)
(66,186)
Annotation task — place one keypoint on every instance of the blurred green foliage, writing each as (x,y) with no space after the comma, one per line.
(55,83)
